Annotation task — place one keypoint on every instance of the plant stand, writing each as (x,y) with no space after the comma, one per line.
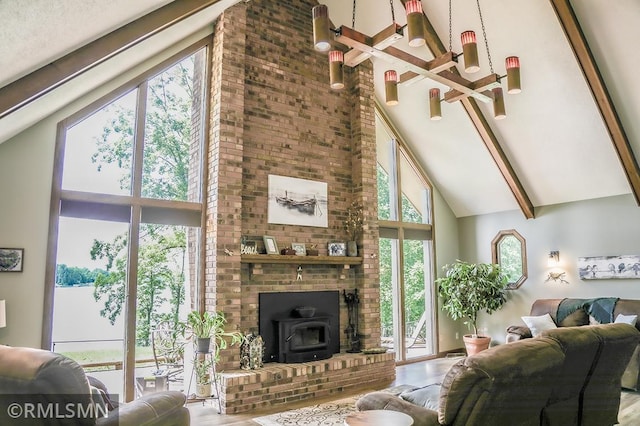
(205,357)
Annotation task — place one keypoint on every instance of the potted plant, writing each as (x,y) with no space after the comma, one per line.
(468,288)
(353,227)
(206,326)
(203,371)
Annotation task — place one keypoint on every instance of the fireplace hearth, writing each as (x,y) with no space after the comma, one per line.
(293,335)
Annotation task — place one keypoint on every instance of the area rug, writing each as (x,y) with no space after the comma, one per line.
(328,414)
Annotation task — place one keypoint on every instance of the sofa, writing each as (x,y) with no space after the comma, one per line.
(571,312)
(565,377)
(43,379)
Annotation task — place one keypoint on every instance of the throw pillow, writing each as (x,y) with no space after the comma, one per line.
(539,324)
(426,397)
(627,319)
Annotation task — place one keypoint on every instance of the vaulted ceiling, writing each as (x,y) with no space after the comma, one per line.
(572,134)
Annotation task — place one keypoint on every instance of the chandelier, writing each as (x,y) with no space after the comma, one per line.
(441,69)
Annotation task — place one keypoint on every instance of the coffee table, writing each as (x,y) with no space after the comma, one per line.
(378,418)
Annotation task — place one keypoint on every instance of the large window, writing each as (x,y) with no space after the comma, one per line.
(406,250)
(126,224)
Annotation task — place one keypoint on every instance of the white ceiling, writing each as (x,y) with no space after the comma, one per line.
(553,135)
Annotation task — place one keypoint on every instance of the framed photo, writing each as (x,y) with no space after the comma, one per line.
(270,245)
(337,249)
(11,259)
(300,249)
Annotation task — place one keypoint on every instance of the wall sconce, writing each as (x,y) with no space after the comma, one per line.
(554,259)
(3,314)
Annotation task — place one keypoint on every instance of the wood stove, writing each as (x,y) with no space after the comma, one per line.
(290,338)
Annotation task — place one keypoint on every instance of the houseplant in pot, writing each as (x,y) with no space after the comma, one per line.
(203,371)
(206,326)
(468,288)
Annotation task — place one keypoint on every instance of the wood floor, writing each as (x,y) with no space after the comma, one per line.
(418,373)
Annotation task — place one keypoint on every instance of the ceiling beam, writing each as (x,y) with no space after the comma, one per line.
(27,89)
(484,130)
(573,31)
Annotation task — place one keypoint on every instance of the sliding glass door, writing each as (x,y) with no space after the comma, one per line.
(406,251)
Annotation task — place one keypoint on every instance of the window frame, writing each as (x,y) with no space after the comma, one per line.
(397,229)
(117,207)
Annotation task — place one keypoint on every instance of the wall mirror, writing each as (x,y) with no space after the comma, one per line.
(509,250)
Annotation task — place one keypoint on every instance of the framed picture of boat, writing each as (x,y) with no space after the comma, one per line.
(294,201)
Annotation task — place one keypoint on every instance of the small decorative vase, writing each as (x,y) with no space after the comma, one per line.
(352,248)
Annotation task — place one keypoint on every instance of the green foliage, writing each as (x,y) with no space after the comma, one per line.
(203,370)
(413,269)
(72,275)
(165,175)
(469,288)
(161,268)
(212,324)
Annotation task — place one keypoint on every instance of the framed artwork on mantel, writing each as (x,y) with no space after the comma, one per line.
(270,245)
(294,201)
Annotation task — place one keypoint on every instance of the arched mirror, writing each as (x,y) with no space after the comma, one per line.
(509,250)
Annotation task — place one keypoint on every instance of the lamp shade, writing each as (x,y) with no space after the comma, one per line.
(321,32)
(513,75)
(3,314)
(435,110)
(470,52)
(336,78)
(415,24)
(498,103)
(391,87)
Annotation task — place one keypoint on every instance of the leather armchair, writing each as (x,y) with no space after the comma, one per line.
(39,376)
(567,376)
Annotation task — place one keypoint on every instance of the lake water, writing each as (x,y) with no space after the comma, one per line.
(76,316)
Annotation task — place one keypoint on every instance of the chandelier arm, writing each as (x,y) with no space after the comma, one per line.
(484,35)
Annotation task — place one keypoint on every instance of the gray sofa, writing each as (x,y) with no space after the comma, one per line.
(581,317)
(38,377)
(566,377)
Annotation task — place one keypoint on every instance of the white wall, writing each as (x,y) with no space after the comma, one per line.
(600,227)
(446,243)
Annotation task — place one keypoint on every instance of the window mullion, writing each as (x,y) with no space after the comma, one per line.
(138,141)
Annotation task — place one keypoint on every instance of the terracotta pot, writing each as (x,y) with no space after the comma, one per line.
(475,344)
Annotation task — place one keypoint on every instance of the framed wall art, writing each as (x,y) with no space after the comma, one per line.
(294,201)
(11,259)
(270,245)
(338,248)
(609,267)
(300,248)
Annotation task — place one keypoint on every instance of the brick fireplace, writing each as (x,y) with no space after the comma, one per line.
(273,113)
